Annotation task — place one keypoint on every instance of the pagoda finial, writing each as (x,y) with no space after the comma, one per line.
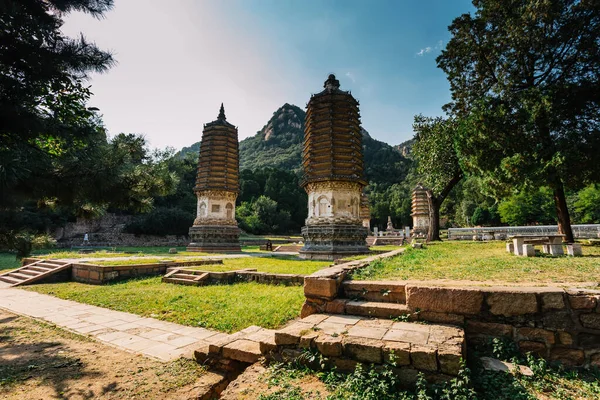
(221,116)
(331,83)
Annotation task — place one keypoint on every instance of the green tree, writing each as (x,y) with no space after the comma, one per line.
(528,207)
(45,120)
(525,76)
(437,163)
(587,205)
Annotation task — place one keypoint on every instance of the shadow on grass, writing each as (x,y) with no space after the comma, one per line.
(46,362)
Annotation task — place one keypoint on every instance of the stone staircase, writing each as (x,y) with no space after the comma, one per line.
(186,277)
(345,341)
(34,272)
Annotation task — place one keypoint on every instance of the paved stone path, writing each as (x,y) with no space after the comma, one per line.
(148,336)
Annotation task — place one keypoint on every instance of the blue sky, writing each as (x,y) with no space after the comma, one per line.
(177,63)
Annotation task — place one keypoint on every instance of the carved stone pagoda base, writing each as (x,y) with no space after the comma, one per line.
(215,239)
(333,241)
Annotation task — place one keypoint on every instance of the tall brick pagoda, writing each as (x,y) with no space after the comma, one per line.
(420,211)
(217,187)
(332,161)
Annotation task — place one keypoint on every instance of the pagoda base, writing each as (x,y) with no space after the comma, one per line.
(215,239)
(332,241)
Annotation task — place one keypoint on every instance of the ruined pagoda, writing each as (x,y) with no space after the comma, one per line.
(217,186)
(332,161)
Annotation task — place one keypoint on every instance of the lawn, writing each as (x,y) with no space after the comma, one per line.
(484,261)
(8,261)
(276,265)
(226,308)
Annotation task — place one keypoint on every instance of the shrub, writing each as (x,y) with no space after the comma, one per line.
(161,221)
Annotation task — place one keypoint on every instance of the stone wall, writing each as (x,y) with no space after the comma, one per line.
(556,323)
(249,275)
(106,223)
(111,239)
(100,274)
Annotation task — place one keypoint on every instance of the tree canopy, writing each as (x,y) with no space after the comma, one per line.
(525,75)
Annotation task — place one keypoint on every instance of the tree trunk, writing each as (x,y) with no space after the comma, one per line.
(433,233)
(562,212)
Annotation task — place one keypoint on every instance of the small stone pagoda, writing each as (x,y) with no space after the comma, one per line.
(420,211)
(332,161)
(217,186)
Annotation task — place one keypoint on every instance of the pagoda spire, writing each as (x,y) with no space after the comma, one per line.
(221,116)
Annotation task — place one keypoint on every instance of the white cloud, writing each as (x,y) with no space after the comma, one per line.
(430,49)
(351,76)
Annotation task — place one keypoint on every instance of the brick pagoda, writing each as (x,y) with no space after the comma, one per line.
(332,161)
(217,186)
(420,211)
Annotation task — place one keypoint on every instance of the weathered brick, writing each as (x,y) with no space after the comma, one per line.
(595,360)
(329,346)
(400,352)
(565,338)
(444,318)
(582,302)
(511,304)
(320,287)
(444,300)
(423,357)
(242,350)
(568,357)
(538,348)
(450,358)
(488,328)
(335,307)
(536,334)
(591,321)
(291,334)
(361,349)
(560,320)
(553,301)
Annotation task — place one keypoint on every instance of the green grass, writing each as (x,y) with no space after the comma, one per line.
(227,308)
(276,265)
(484,261)
(8,261)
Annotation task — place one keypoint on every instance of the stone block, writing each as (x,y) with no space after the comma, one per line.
(582,302)
(326,288)
(443,318)
(595,360)
(536,334)
(309,308)
(307,341)
(444,300)
(553,301)
(510,247)
(424,358)
(574,250)
(291,334)
(588,340)
(565,338)
(555,249)
(538,348)
(407,377)
(329,346)
(336,306)
(568,357)
(450,359)
(528,250)
(94,275)
(510,304)
(396,353)
(591,321)
(242,350)
(314,319)
(345,364)
(560,320)
(488,329)
(361,349)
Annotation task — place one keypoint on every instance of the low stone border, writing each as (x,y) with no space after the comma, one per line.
(246,275)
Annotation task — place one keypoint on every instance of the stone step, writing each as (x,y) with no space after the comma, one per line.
(7,279)
(18,275)
(379,291)
(180,281)
(49,265)
(30,272)
(39,269)
(189,277)
(376,309)
(346,340)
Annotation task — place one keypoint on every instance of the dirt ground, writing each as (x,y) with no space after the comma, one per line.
(40,361)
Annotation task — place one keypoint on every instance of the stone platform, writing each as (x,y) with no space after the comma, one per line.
(346,340)
(215,239)
(332,241)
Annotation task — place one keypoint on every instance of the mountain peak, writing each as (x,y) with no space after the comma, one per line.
(288,119)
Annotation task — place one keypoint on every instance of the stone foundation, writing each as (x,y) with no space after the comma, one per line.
(333,241)
(215,239)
